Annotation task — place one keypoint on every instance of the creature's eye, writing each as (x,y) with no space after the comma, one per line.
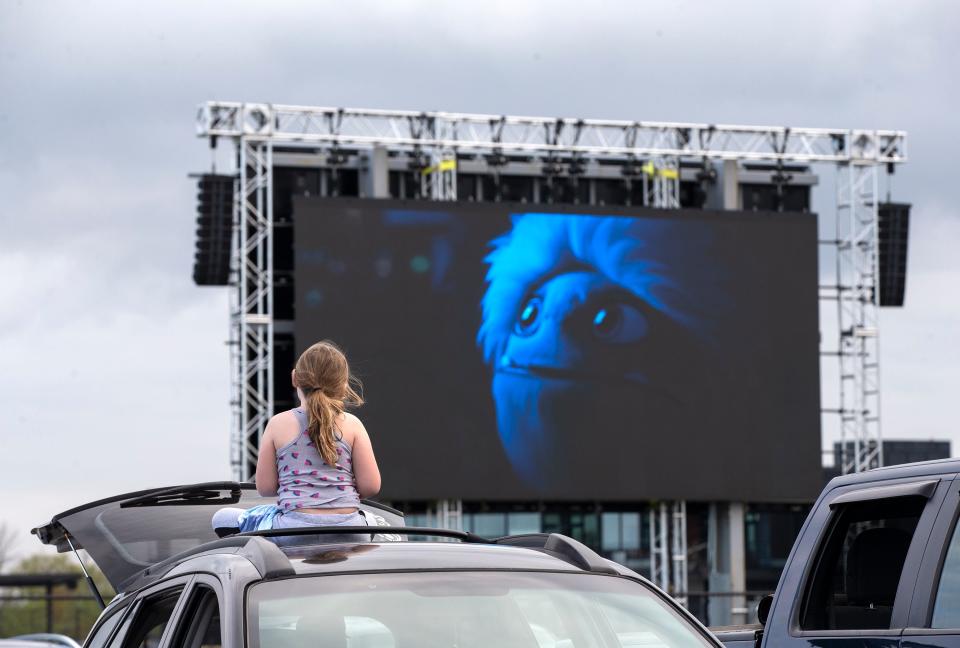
(619,322)
(529,318)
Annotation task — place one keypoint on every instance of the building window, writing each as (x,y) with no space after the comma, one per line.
(519,523)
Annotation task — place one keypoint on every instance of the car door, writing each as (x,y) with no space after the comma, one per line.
(849,581)
(934,618)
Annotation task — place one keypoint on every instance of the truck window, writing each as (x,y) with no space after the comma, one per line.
(857,570)
(946,607)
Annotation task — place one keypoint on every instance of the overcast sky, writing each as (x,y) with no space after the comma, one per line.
(113,371)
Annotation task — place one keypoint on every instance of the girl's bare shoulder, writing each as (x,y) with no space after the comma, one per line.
(350,426)
(283,428)
(284,419)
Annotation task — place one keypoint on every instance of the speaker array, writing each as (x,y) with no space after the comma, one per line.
(211,265)
(894,224)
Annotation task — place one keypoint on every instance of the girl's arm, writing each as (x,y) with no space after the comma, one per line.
(365,469)
(267,479)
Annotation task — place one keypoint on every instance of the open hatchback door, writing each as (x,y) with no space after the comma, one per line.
(127,534)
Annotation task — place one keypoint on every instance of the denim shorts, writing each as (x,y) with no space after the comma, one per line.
(261,517)
(294,520)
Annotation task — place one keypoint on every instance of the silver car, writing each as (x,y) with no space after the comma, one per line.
(180,586)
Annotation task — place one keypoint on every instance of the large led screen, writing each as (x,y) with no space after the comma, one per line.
(520,351)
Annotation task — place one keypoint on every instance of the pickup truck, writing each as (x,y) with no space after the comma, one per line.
(876,565)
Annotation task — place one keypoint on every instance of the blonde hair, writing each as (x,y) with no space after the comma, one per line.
(323,375)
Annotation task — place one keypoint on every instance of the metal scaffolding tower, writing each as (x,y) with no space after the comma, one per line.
(659,549)
(668,547)
(651,150)
(857,275)
(252,325)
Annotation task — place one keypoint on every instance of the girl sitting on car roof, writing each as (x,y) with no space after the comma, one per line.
(316,459)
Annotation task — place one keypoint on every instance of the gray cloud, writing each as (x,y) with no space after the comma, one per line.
(114,375)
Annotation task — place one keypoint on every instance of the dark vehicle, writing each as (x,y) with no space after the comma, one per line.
(182,587)
(876,564)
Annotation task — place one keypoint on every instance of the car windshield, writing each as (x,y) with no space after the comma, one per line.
(464,610)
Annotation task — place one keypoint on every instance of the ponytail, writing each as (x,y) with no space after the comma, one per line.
(322,413)
(323,375)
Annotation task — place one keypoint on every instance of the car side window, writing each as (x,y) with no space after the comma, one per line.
(151,619)
(117,640)
(857,570)
(98,638)
(199,624)
(946,607)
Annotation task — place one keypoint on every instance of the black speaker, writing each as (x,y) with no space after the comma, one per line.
(211,265)
(894,227)
(764,197)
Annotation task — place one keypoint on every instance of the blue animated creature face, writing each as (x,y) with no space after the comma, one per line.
(584,318)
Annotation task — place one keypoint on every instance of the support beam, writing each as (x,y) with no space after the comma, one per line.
(726,555)
(858,317)
(659,546)
(469,133)
(49,589)
(375,174)
(738,562)
(253,320)
(678,552)
(730,172)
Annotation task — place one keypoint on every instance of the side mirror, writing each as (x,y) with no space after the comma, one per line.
(763,609)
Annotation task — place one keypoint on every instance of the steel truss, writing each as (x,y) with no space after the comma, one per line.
(857,316)
(668,547)
(253,317)
(659,548)
(651,150)
(466,133)
(439,180)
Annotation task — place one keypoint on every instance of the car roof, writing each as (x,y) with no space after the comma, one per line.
(936,467)
(528,552)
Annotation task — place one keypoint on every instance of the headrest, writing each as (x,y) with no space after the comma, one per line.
(874,564)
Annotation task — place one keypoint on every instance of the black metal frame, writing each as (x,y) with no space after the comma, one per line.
(463,536)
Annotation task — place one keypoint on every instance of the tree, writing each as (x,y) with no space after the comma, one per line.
(70,617)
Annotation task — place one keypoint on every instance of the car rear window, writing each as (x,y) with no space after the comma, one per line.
(466,610)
